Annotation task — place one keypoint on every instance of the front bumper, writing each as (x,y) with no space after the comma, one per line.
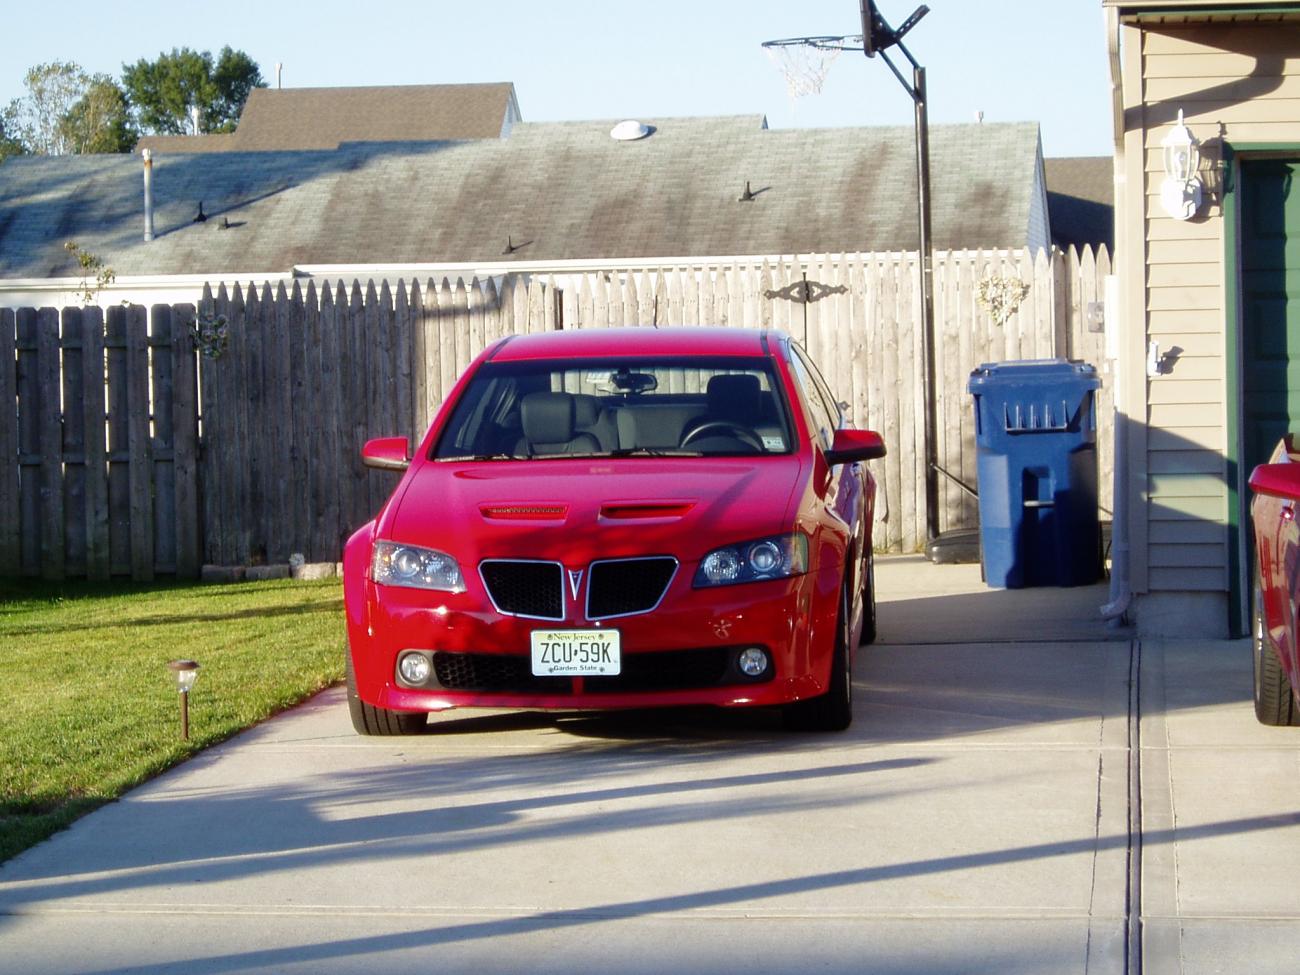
(678,654)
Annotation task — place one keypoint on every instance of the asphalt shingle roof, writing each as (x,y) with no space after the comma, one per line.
(560,190)
(275,119)
(1081,200)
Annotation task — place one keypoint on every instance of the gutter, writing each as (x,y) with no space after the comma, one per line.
(1121,594)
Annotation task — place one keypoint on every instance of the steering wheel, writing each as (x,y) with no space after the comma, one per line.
(726,429)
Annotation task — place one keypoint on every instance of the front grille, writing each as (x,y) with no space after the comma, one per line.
(624,587)
(493,672)
(671,670)
(532,589)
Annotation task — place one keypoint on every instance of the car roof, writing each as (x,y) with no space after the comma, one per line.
(638,341)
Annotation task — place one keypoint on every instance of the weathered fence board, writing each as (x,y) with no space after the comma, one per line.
(11,523)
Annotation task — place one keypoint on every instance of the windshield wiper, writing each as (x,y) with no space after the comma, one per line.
(466,457)
(654,452)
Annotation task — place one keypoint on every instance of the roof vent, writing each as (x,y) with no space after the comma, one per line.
(630,130)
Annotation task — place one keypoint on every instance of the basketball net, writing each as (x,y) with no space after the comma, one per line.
(803,66)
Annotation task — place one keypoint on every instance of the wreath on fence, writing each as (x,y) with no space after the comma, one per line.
(1000,295)
(211,335)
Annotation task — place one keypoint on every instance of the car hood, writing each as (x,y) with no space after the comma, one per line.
(577,510)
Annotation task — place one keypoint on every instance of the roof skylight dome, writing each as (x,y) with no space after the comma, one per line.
(630,130)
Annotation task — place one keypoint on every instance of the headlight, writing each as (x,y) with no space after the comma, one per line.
(778,557)
(417,568)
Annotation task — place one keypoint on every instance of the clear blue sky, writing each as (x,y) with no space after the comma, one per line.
(1014,60)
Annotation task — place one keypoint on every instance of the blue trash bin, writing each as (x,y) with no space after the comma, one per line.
(1036,447)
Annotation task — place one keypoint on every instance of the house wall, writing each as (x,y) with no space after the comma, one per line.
(1237,84)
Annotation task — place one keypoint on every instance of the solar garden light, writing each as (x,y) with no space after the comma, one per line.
(186,673)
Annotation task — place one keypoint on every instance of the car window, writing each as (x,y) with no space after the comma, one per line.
(823,388)
(823,419)
(685,405)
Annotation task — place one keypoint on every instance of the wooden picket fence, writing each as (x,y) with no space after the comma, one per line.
(150,441)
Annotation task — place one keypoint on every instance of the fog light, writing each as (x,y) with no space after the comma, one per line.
(752,662)
(414,668)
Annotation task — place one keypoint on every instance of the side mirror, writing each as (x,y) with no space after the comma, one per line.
(851,446)
(1277,480)
(386,454)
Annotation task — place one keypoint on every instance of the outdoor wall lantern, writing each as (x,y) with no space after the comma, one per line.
(186,673)
(1181,191)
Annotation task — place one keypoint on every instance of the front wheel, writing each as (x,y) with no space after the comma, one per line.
(832,710)
(370,720)
(869,603)
(1274,702)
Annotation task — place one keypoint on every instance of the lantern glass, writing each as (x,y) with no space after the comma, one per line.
(186,673)
(1182,157)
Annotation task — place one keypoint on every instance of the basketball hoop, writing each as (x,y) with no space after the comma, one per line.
(804,62)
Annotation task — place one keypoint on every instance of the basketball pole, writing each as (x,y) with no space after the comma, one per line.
(877,37)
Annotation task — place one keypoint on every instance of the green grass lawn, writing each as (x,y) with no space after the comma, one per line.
(90,709)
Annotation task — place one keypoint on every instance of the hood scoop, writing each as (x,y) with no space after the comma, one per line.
(643,510)
(524,512)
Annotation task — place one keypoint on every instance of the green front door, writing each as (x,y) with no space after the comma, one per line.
(1269,229)
(1270,304)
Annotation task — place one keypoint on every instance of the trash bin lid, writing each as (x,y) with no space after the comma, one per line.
(1051,374)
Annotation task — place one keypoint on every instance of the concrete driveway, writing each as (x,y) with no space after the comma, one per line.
(976,818)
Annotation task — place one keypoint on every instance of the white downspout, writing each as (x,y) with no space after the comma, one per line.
(1121,594)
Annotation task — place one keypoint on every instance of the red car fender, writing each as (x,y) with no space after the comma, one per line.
(356,582)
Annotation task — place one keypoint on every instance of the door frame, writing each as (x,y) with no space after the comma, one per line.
(1239,553)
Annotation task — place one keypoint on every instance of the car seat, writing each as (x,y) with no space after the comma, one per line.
(550,427)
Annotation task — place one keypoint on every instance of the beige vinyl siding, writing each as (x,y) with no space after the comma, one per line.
(1233,82)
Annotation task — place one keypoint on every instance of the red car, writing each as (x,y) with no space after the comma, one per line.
(1277,586)
(616,518)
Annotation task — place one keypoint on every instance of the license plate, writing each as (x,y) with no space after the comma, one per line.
(576,653)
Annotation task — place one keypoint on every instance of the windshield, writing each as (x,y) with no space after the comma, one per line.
(685,406)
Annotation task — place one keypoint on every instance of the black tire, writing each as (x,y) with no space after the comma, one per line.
(1274,702)
(370,720)
(869,603)
(833,710)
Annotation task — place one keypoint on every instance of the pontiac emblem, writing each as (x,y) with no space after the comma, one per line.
(575,581)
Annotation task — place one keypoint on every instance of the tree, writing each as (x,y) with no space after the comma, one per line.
(34,119)
(9,146)
(100,121)
(162,92)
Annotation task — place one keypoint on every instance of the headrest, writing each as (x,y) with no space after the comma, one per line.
(735,397)
(547,417)
(586,411)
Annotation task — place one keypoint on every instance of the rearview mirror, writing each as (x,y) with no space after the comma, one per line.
(1277,480)
(386,454)
(851,446)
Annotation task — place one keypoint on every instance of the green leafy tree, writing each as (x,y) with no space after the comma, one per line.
(161,92)
(100,121)
(9,146)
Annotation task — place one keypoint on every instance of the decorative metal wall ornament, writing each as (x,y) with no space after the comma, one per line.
(1000,295)
(805,292)
(211,336)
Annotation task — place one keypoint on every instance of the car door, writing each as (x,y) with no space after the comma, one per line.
(839,488)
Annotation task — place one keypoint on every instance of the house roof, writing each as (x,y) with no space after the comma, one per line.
(323,118)
(1081,200)
(555,191)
